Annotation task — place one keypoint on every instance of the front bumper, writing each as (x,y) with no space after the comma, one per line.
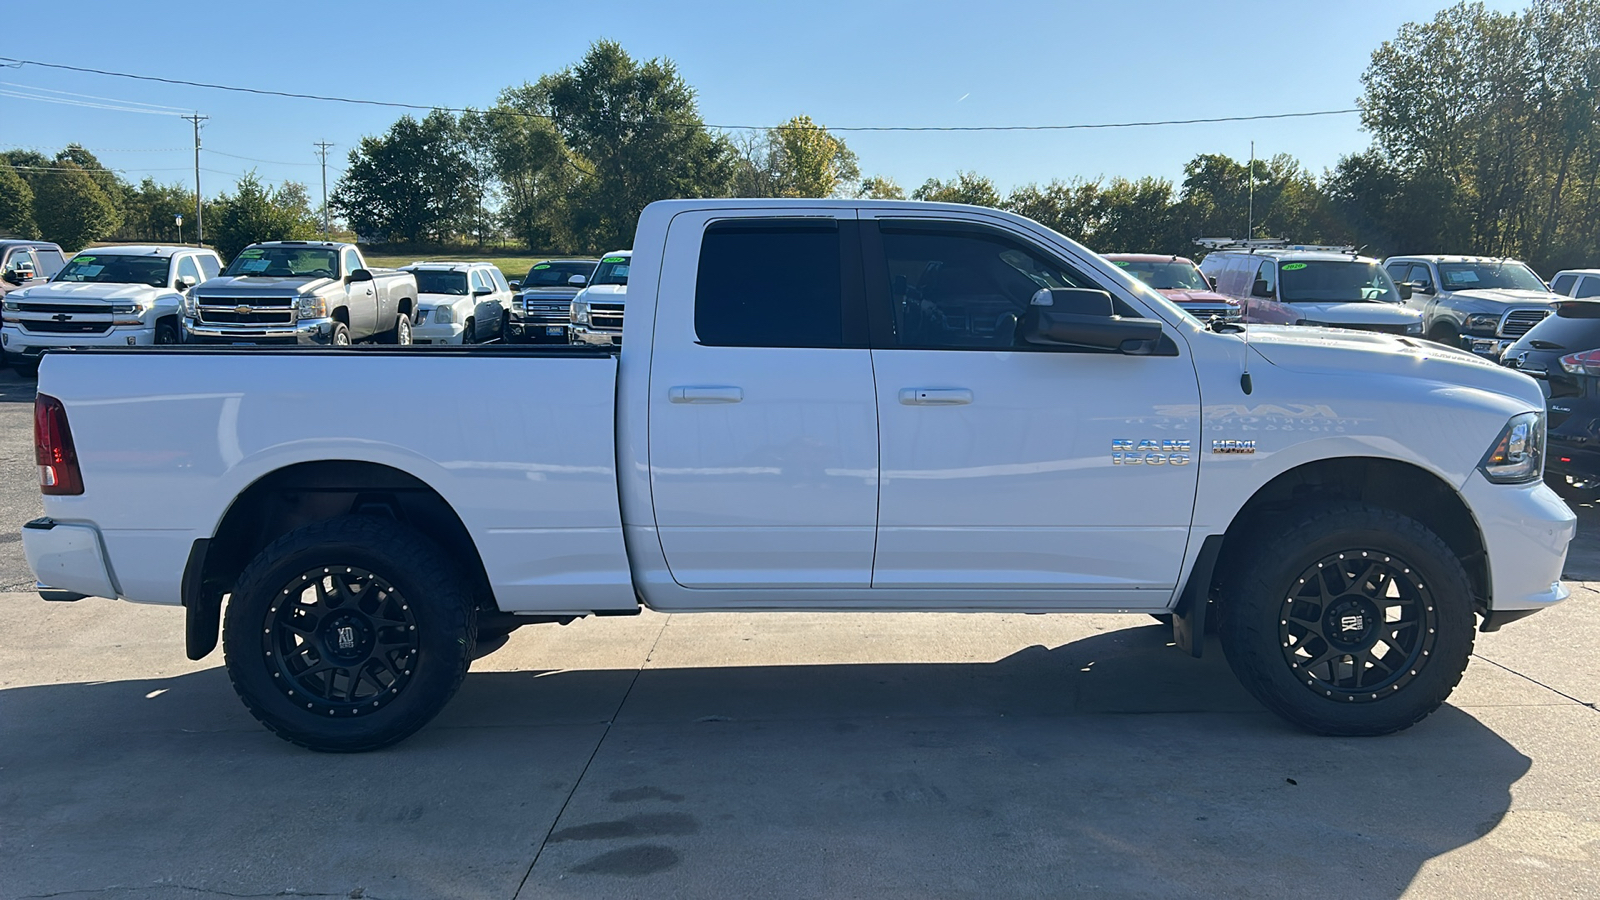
(311,332)
(20,342)
(1526,529)
(430,332)
(539,328)
(67,559)
(1487,347)
(581,334)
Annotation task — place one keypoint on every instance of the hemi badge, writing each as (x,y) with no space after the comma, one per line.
(1233,446)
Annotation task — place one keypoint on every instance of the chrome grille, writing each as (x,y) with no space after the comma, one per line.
(258,302)
(1517,322)
(212,316)
(606,316)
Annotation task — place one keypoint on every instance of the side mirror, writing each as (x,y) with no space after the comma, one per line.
(1405,290)
(1085,319)
(482,292)
(186,281)
(1212,280)
(516,285)
(1260,289)
(359,275)
(1422,287)
(12,276)
(577,281)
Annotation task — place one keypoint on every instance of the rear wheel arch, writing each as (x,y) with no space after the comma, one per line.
(305,493)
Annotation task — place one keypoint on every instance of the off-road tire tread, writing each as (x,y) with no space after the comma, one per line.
(443,587)
(1280,546)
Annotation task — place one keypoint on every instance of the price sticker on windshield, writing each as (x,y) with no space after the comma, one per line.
(1294,267)
(1121,263)
(614,259)
(542,266)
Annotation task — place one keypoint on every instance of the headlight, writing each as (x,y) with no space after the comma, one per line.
(1517,456)
(11,306)
(422,316)
(189,306)
(312,307)
(1414,328)
(129,313)
(442,315)
(580,312)
(1489,322)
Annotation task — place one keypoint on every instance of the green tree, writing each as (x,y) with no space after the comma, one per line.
(879,187)
(535,169)
(636,136)
(1070,207)
(71,209)
(1137,216)
(151,211)
(115,188)
(254,212)
(809,161)
(16,204)
(966,187)
(412,183)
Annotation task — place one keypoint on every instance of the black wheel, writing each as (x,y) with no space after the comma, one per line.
(341,335)
(27,367)
(1446,335)
(349,634)
(167,333)
(469,331)
(1348,620)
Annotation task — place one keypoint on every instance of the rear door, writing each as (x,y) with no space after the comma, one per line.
(763,421)
(1008,466)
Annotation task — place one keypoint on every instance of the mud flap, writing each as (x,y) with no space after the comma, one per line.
(1189,616)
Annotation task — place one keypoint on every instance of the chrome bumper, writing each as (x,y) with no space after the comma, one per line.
(305,331)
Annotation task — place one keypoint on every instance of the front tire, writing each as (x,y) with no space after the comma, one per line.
(341,335)
(167,333)
(1348,620)
(349,634)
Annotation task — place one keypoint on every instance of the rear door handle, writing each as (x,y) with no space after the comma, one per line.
(705,394)
(935,396)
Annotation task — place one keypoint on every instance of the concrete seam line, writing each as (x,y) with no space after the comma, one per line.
(590,761)
(1538,682)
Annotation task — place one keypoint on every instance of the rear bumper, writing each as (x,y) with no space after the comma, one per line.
(69,559)
(1526,529)
(312,332)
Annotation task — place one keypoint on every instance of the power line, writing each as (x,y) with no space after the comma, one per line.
(46,90)
(856,128)
(272,162)
(85,104)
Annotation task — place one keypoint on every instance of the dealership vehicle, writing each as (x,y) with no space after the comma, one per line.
(459,302)
(597,310)
(1299,284)
(543,312)
(1563,351)
(1473,302)
(302,292)
(24,263)
(1580,283)
(106,297)
(819,405)
(1179,280)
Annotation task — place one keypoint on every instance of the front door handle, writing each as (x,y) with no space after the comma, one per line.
(705,394)
(935,396)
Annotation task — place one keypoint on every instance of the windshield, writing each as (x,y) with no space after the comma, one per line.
(612,270)
(151,270)
(1166,276)
(430,281)
(284,262)
(1503,274)
(556,274)
(1324,281)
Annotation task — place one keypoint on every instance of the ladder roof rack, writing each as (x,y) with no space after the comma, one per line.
(1254,244)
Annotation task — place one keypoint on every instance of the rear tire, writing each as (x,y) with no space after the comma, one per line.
(349,634)
(1348,620)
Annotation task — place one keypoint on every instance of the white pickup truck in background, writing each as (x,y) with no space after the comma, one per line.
(820,405)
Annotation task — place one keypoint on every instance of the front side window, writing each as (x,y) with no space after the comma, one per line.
(352,261)
(1167,275)
(1563,284)
(1397,271)
(1335,281)
(438,281)
(187,269)
(770,283)
(210,266)
(1496,274)
(964,289)
(109,269)
(1266,281)
(283,262)
(612,270)
(50,262)
(480,282)
(20,262)
(499,279)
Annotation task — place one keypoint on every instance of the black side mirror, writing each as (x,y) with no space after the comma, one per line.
(1405,290)
(1260,289)
(12,276)
(360,275)
(1085,319)
(1422,287)
(482,292)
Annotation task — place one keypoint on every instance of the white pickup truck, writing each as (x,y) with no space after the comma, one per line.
(820,405)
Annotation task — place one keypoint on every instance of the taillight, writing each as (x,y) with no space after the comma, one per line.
(52,448)
(1585,363)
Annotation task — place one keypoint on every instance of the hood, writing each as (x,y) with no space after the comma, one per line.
(87,292)
(1497,299)
(1338,351)
(606,293)
(255,285)
(1368,313)
(431,300)
(1207,297)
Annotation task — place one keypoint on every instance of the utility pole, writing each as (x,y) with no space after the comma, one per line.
(1250,219)
(199,204)
(322,151)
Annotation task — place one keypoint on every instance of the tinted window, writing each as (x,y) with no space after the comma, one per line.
(499,280)
(1266,279)
(210,266)
(439,281)
(773,283)
(480,281)
(1563,284)
(1397,270)
(1590,287)
(21,260)
(1575,326)
(962,289)
(1325,281)
(556,274)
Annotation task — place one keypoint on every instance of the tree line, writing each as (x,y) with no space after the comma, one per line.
(1483,129)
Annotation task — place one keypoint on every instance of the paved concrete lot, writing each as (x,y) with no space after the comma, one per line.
(892,755)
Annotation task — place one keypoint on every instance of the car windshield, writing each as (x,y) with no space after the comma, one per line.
(1503,274)
(284,262)
(108,269)
(1324,281)
(556,274)
(612,270)
(433,281)
(1168,275)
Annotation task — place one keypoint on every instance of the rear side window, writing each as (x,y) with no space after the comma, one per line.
(50,262)
(499,279)
(1590,287)
(770,283)
(210,266)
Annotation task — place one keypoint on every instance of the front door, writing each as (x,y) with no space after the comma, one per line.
(1013,467)
(362,298)
(763,419)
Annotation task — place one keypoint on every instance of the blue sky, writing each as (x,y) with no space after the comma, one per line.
(868,62)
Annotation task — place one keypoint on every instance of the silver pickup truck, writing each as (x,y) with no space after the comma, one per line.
(302,292)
